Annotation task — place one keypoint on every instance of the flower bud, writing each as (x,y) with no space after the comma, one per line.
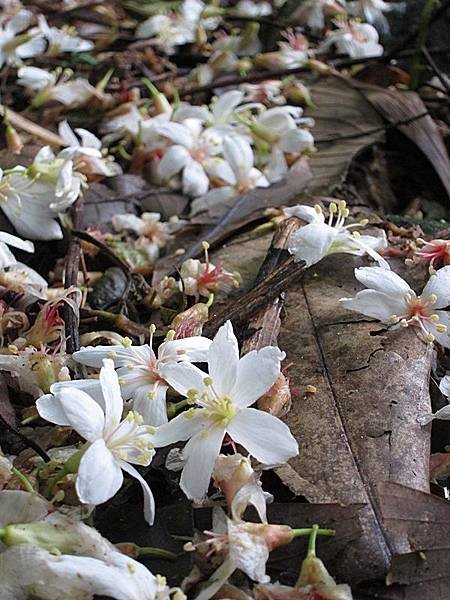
(190,322)
(13,140)
(45,535)
(296,92)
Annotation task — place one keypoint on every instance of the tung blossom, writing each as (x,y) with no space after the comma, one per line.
(113,443)
(62,40)
(140,371)
(194,153)
(50,556)
(320,238)
(16,45)
(86,152)
(357,40)
(203,279)
(244,176)
(373,11)
(444,412)
(391,300)
(223,399)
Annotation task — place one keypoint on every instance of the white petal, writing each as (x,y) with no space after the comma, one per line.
(223,360)
(264,436)
(439,284)
(49,408)
(444,385)
(19,22)
(200,454)
(149,501)
(382,280)
(195,181)
(111,394)
(68,136)
(16,242)
(82,412)
(257,371)
(33,47)
(178,133)
(444,319)
(218,168)
(306,213)
(99,475)
(184,377)
(179,429)
(312,242)
(296,140)
(93,356)
(91,387)
(225,105)
(376,305)
(152,410)
(193,348)
(174,160)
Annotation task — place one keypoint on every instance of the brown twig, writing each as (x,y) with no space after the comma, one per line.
(29,443)
(436,69)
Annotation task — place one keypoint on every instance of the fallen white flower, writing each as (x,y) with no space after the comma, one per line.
(223,400)
(391,300)
(319,238)
(444,412)
(113,443)
(140,371)
(16,45)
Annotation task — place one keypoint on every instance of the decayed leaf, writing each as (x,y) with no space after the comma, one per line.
(340,110)
(398,106)
(360,427)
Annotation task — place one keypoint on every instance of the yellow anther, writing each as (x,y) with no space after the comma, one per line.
(364,222)
(192,393)
(441,328)
(152,328)
(181,351)
(130,366)
(207,381)
(151,395)
(122,380)
(393,319)
(131,567)
(130,416)
(342,205)
(318,209)
(126,342)
(332,208)
(432,298)
(170,335)
(434,318)
(404,323)
(356,234)
(429,339)
(205,434)
(311,389)
(112,354)
(160,580)
(345,212)
(205,245)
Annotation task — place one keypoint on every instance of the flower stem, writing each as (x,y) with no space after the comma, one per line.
(174,407)
(159,552)
(313,532)
(70,466)
(23,480)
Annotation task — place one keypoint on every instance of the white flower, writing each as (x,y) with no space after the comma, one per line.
(15,45)
(279,128)
(372,11)
(291,54)
(390,300)
(203,279)
(244,176)
(240,485)
(223,399)
(72,93)
(194,154)
(248,8)
(62,40)
(358,40)
(318,239)
(24,279)
(312,13)
(114,444)
(220,114)
(140,371)
(57,557)
(32,198)
(35,371)
(126,119)
(7,258)
(87,153)
(444,412)
(173,29)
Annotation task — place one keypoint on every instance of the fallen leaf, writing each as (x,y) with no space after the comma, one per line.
(360,427)
(340,111)
(398,106)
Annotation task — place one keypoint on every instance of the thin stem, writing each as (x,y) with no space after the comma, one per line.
(23,480)
(309,531)
(312,542)
(159,552)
